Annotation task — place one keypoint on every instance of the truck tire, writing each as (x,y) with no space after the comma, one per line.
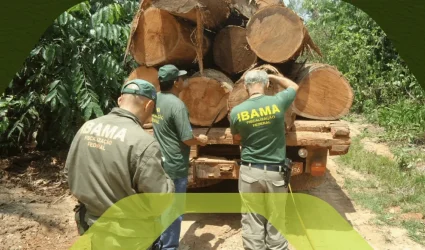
(305,181)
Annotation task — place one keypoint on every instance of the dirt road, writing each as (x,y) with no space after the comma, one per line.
(31,220)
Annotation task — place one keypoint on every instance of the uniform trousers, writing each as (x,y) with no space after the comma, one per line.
(257,232)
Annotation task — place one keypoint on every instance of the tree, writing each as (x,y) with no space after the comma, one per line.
(73,74)
(359,48)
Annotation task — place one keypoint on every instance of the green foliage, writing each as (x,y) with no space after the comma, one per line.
(73,74)
(385,90)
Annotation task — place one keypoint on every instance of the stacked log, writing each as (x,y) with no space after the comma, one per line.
(231,37)
(149,74)
(160,38)
(231,51)
(324,93)
(206,97)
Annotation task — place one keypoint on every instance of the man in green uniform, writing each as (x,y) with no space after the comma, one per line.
(258,123)
(112,157)
(172,129)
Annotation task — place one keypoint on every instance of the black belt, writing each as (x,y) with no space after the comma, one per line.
(269,166)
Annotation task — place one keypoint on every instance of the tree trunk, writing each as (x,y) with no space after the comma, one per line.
(231,51)
(239,94)
(324,93)
(149,74)
(206,96)
(214,12)
(161,39)
(248,7)
(276,34)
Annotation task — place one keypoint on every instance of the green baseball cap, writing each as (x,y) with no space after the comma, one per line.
(146,89)
(169,72)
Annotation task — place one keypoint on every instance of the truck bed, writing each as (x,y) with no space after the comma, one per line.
(220,159)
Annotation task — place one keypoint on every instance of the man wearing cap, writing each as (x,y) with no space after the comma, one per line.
(172,129)
(112,157)
(258,124)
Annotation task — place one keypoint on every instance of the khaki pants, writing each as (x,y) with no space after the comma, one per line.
(257,232)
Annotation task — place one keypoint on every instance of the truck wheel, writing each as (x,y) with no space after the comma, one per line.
(306,181)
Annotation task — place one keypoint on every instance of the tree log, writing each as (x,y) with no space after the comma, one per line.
(249,7)
(206,96)
(161,39)
(214,12)
(149,74)
(239,94)
(231,51)
(277,34)
(324,93)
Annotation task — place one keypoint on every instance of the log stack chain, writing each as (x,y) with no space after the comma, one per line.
(217,41)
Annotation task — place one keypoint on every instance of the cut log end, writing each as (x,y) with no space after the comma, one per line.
(231,50)
(323,94)
(206,97)
(276,34)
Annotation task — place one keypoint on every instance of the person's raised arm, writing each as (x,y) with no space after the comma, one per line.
(284,82)
(288,95)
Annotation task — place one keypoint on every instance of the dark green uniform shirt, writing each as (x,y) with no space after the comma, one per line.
(260,122)
(171,126)
(112,157)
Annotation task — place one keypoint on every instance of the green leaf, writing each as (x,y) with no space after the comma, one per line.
(51,95)
(97,110)
(63,19)
(86,103)
(35,51)
(63,96)
(88,111)
(53,85)
(49,54)
(53,105)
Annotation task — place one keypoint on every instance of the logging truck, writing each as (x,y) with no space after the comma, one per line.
(227,38)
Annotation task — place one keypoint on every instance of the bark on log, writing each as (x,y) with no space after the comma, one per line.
(161,39)
(214,12)
(249,7)
(206,96)
(231,50)
(239,94)
(277,34)
(324,93)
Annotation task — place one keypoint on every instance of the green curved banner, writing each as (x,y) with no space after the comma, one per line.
(308,223)
(23,22)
